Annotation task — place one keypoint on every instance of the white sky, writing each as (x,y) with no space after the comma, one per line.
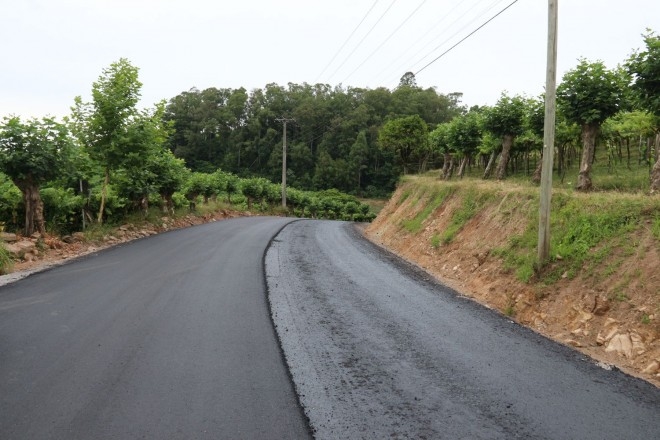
(52,50)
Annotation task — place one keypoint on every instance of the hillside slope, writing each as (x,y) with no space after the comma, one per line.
(600,293)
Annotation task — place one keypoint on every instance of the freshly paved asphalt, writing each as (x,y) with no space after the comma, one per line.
(168,337)
(377,350)
(171,337)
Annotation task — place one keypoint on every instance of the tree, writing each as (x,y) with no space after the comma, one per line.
(506,121)
(406,136)
(103,125)
(408,79)
(645,68)
(439,143)
(464,136)
(358,158)
(170,174)
(587,96)
(31,154)
(145,135)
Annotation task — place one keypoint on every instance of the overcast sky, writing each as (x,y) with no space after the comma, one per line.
(53,50)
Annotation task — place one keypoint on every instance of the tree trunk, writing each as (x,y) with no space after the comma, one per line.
(491,163)
(450,169)
(536,177)
(507,143)
(461,168)
(561,154)
(655,178)
(144,206)
(104,192)
(34,208)
(589,132)
(445,165)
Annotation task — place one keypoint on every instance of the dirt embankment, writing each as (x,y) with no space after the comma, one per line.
(586,309)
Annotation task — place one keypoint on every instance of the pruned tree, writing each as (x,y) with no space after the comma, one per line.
(32,153)
(170,173)
(587,96)
(645,69)
(439,143)
(505,120)
(464,136)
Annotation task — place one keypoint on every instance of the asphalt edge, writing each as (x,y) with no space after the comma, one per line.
(285,361)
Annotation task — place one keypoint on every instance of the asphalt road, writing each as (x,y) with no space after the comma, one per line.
(377,350)
(168,337)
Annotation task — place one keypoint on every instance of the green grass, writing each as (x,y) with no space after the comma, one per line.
(655,227)
(6,262)
(438,198)
(404,196)
(584,230)
(435,241)
(472,202)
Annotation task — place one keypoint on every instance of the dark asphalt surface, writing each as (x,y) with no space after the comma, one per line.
(168,337)
(378,351)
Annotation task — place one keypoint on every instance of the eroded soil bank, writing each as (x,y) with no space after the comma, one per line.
(608,309)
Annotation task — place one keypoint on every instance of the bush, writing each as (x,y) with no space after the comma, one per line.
(62,209)
(11,202)
(6,261)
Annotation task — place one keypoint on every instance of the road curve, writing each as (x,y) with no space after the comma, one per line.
(377,350)
(164,338)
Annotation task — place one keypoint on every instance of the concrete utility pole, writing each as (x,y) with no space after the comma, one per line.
(548,134)
(284,121)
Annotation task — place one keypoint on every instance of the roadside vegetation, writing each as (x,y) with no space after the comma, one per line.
(586,228)
(109,160)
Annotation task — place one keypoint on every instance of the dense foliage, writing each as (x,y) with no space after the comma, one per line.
(333,143)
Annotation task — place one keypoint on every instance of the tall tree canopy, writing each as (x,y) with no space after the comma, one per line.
(587,96)
(103,124)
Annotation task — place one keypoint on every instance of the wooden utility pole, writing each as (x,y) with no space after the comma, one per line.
(284,121)
(548,135)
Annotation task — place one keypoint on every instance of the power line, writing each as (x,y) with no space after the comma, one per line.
(466,26)
(386,39)
(347,40)
(363,38)
(466,37)
(388,69)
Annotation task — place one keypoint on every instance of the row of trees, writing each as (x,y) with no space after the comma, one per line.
(621,106)
(113,158)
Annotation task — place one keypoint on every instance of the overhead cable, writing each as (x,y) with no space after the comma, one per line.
(363,38)
(347,40)
(385,40)
(386,71)
(466,37)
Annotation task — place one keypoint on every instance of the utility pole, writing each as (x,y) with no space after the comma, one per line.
(548,135)
(284,121)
